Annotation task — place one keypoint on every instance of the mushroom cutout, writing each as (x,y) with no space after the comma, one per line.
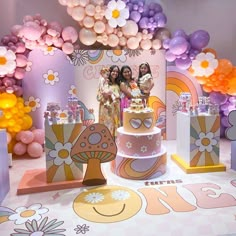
(94,146)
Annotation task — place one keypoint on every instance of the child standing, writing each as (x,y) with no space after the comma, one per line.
(145,80)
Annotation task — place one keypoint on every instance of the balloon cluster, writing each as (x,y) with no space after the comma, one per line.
(182,48)
(35,32)
(119,24)
(219,76)
(227,104)
(29,142)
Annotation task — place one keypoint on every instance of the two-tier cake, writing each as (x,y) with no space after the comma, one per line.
(140,153)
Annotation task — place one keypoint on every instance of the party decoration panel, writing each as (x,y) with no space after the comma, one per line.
(50,79)
(94,146)
(59,140)
(88,72)
(4,170)
(178,81)
(198,143)
(233,155)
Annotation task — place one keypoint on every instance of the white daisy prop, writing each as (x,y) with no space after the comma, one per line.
(61,154)
(7,61)
(204,64)
(24,214)
(94,198)
(116,13)
(205,142)
(120,195)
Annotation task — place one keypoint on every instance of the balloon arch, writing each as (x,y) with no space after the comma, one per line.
(127,24)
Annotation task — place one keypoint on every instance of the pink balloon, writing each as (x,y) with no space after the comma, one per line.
(19,148)
(21,60)
(16,29)
(55,26)
(20,47)
(19,73)
(35,149)
(67,48)
(78,13)
(39,135)
(113,40)
(146,44)
(132,43)
(31,31)
(69,34)
(27,137)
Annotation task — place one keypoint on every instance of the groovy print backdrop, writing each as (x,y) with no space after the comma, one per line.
(89,63)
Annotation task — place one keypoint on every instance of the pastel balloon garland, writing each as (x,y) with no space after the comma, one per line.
(119,24)
(35,32)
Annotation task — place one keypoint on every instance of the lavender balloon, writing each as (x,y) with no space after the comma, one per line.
(199,39)
(135,16)
(183,64)
(178,45)
(143,23)
(170,57)
(180,32)
(161,19)
(218,98)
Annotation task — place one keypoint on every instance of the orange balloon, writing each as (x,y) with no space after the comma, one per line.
(201,80)
(211,50)
(207,88)
(224,67)
(27,122)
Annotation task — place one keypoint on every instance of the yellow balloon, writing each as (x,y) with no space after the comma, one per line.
(27,122)
(7,100)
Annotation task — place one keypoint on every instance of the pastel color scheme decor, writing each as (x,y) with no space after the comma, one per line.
(198,143)
(59,140)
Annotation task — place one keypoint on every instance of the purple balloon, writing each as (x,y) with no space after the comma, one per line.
(178,45)
(161,19)
(145,11)
(143,23)
(135,16)
(218,98)
(166,43)
(180,32)
(155,6)
(224,121)
(170,56)
(199,39)
(183,64)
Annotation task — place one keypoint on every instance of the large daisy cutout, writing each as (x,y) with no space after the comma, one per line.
(7,61)
(205,142)
(61,153)
(204,64)
(24,214)
(33,103)
(51,77)
(44,228)
(117,55)
(116,13)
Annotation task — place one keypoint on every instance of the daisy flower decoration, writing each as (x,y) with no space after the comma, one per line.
(7,61)
(116,13)
(204,64)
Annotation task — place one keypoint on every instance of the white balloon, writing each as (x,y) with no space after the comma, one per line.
(87,36)
(130,28)
(78,13)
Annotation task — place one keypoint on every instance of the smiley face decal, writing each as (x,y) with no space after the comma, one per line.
(107,204)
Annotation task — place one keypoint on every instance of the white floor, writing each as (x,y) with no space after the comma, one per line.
(206,204)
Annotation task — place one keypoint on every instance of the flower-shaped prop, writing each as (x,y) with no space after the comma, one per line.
(94,146)
(119,24)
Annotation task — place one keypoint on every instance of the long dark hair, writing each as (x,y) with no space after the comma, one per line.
(122,79)
(147,65)
(117,78)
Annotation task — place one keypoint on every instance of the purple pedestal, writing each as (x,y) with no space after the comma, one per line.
(233,155)
(4,166)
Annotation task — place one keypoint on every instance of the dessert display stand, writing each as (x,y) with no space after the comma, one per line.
(55,176)
(198,139)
